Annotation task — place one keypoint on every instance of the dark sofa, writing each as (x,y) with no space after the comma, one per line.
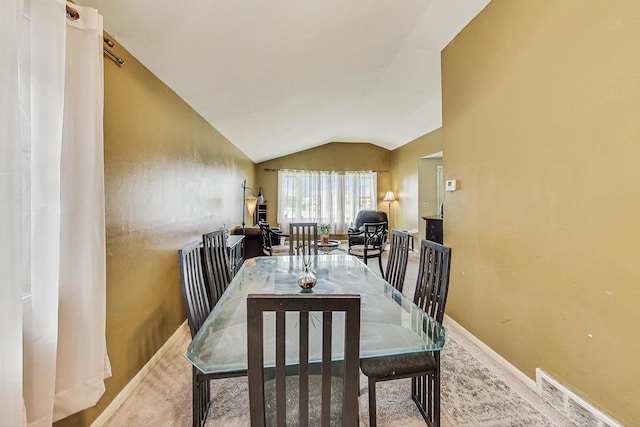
(253,240)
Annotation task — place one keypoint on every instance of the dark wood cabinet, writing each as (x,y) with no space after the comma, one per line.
(434,229)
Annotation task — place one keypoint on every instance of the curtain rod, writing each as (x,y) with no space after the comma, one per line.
(112,56)
(74,15)
(314,170)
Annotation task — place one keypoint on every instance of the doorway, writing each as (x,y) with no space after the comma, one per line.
(430,188)
(440,188)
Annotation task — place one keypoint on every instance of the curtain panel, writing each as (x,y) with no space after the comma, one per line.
(52,264)
(12,268)
(325,197)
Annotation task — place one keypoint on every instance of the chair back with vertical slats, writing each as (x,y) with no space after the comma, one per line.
(432,287)
(397,260)
(432,284)
(198,306)
(297,392)
(303,238)
(216,264)
(194,289)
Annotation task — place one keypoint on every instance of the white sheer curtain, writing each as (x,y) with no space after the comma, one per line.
(52,261)
(324,197)
(11,252)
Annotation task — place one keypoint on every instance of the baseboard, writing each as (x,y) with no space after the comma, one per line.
(128,389)
(568,403)
(531,383)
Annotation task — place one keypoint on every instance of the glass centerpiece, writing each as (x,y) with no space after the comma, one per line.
(307,279)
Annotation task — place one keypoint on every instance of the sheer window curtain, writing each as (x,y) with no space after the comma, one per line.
(52,261)
(325,197)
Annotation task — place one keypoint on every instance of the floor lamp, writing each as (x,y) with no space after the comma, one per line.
(389,197)
(250,202)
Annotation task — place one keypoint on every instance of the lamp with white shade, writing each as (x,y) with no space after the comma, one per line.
(250,202)
(389,197)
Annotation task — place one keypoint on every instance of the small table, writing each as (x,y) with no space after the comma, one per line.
(327,247)
(412,235)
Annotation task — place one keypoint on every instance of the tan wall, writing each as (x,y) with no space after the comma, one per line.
(169,177)
(333,156)
(541,108)
(411,182)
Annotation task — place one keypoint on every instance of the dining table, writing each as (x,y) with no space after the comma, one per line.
(390,322)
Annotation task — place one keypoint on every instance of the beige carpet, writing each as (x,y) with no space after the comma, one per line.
(475,391)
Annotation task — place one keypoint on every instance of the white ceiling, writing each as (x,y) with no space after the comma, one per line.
(279,76)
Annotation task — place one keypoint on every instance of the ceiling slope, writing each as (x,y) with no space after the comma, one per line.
(277,77)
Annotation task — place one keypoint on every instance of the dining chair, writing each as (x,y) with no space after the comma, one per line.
(268,237)
(304,388)
(197,305)
(355,233)
(375,237)
(302,238)
(397,259)
(216,264)
(423,368)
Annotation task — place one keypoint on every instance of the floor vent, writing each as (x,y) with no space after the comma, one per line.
(571,405)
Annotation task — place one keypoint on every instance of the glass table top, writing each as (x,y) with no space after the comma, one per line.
(390,322)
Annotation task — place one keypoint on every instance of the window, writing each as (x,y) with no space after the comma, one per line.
(324,197)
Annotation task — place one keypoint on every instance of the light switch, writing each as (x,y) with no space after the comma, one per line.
(450,185)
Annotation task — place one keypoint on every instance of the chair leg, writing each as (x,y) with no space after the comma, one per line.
(372,402)
(436,392)
(428,399)
(425,392)
(195,400)
(380,264)
(206,401)
(201,400)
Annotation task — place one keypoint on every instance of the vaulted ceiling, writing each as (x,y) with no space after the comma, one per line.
(279,76)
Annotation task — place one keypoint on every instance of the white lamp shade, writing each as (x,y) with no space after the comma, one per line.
(251,203)
(389,197)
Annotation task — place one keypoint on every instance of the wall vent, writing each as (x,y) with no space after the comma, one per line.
(571,405)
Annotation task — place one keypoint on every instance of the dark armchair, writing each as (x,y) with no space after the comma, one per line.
(356,233)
